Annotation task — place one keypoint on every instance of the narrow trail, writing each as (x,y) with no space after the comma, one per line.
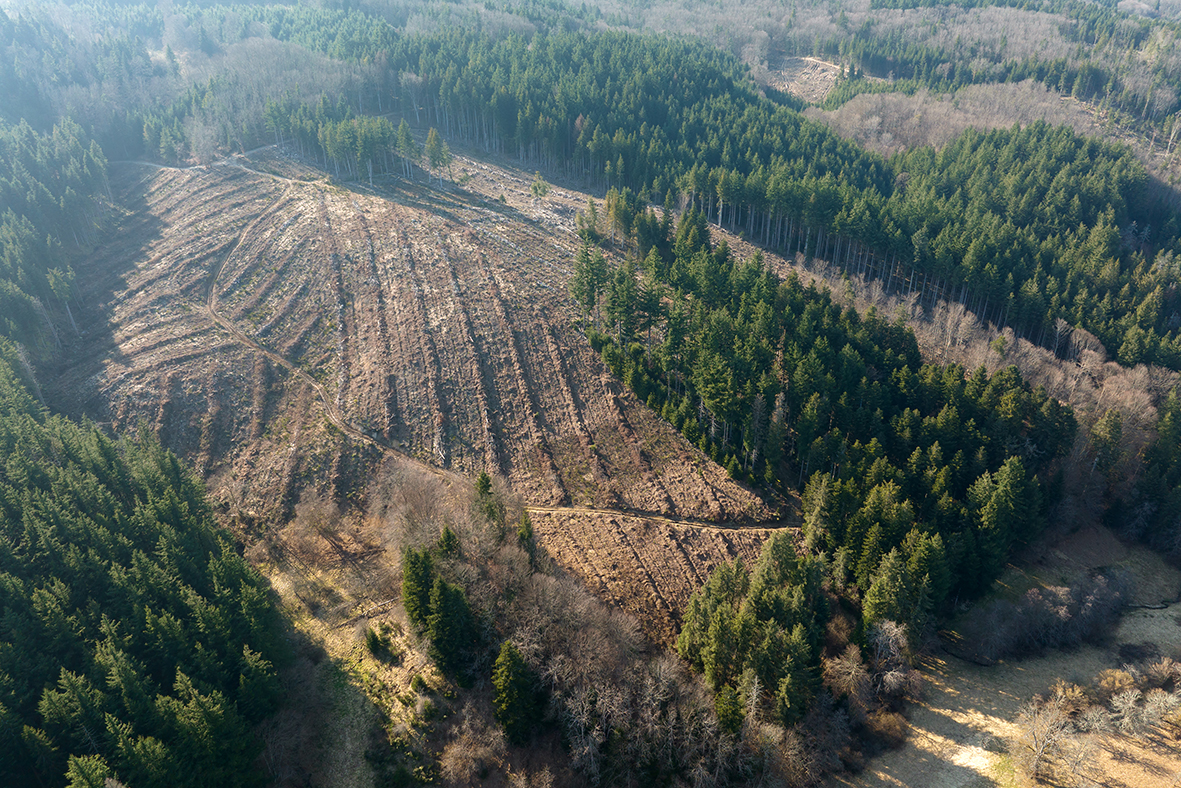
(334,415)
(633,514)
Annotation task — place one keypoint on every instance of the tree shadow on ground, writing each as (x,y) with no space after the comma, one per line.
(102,273)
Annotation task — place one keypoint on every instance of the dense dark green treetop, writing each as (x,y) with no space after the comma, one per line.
(514,694)
(765,625)
(934,466)
(134,641)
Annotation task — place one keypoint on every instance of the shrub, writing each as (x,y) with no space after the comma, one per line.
(888,727)
(1052,617)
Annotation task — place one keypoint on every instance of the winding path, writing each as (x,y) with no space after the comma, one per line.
(209,306)
(703,525)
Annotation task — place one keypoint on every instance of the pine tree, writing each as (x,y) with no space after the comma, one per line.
(539,188)
(1106,436)
(514,694)
(927,559)
(790,700)
(526,539)
(417,582)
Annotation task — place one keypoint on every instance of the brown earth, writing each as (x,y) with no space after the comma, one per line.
(284,333)
(805,78)
(644,565)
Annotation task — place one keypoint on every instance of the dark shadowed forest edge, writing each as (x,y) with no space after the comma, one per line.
(404,393)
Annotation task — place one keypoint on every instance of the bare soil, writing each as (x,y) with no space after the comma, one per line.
(805,78)
(284,334)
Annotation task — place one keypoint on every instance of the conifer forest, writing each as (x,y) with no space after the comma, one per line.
(539,393)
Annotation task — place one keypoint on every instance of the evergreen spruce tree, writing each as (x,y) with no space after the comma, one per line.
(514,694)
(418,577)
(449,626)
(448,542)
(728,707)
(888,597)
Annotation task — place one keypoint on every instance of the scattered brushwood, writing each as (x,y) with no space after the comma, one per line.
(1058,735)
(538,652)
(1052,617)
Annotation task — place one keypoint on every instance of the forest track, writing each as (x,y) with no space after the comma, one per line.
(193,310)
(704,525)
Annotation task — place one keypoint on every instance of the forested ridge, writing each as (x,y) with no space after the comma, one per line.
(1026,226)
(917,480)
(134,641)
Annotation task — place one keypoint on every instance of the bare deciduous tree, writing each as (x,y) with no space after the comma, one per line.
(1078,760)
(846,675)
(1157,705)
(1041,728)
(1126,711)
(1095,719)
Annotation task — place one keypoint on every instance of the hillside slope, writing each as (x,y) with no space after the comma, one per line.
(284,333)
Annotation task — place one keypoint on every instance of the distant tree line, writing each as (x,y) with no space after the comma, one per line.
(1098,70)
(361,144)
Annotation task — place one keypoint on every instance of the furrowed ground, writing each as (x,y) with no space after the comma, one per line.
(284,333)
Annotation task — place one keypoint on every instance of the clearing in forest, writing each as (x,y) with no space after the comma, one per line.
(284,333)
